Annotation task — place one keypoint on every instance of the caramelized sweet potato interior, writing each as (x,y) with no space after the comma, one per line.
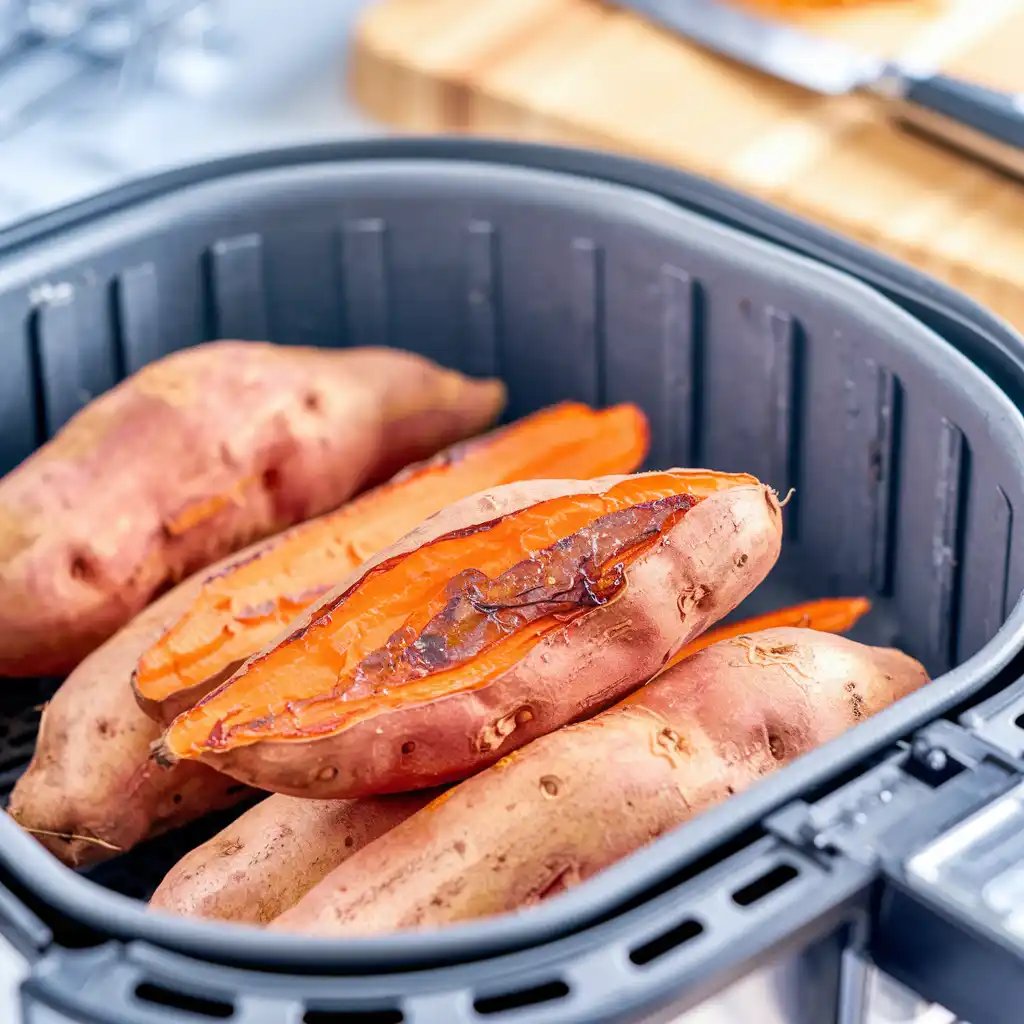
(241,610)
(445,617)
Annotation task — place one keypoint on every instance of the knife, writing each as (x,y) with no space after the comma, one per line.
(983,123)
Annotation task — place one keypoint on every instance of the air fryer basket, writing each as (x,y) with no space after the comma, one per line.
(520,261)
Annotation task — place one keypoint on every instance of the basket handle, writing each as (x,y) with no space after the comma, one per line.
(942,824)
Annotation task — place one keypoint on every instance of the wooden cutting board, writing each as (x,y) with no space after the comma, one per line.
(583,73)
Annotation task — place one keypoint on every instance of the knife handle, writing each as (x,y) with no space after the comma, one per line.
(981,122)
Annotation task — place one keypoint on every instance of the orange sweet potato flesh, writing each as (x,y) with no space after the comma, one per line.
(418,670)
(242,609)
(827,615)
(572,803)
(194,457)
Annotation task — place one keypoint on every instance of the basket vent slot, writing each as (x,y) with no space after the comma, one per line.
(237,290)
(198,1006)
(480,353)
(685,931)
(764,886)
(546,993)
(951,491)
(353,1017)
(136,314)
(364,272)
(682,360)
(586,339)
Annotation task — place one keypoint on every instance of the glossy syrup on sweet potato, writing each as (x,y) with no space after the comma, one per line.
(474,615)
(301,687)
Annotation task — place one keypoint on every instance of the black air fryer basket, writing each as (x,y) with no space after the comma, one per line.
(754,342)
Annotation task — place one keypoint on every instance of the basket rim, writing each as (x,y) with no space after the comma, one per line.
(988,342)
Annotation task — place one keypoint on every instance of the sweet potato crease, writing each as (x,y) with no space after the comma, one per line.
(444,618)
(243,608)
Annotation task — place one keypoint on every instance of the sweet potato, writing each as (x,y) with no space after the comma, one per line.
(241,610)
(259,866)
(91,790)
(83,766)
(263,863)
(195,456)
(828,615)
(553,814)
(484,631)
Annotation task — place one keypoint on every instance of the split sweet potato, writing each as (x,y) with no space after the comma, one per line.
(501,619)
(571,803)
(242,609)
(196,456)
(95,740)
(263,863)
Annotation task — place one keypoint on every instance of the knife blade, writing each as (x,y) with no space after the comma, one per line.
(820,65)
(980,122)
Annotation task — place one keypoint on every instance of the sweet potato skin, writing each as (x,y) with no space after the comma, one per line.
(573,802)
(700,570)
(95,741)
(274,853)
(194,457)
(91,775)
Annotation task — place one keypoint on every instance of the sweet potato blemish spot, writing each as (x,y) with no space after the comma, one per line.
(549,786)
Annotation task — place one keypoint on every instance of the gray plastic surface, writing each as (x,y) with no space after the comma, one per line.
(903,456)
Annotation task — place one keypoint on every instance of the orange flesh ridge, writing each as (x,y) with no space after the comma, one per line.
(830,615)
(241,611)
(286,681)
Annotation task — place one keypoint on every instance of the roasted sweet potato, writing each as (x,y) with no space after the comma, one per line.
(827,615)
(91,790)
(95,741)
(242,609)
(259,866)
(490,628)
(553,814)
(195,456)
(263,863)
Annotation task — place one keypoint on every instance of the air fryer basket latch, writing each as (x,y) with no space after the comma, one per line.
(942,823)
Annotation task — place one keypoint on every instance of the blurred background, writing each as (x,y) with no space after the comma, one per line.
(93,92)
